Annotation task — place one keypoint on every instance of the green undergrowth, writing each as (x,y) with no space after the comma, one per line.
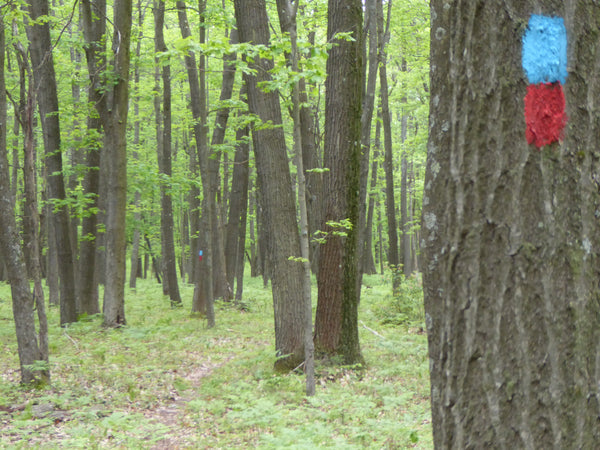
(167,381)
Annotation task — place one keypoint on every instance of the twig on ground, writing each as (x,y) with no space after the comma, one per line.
(372,330)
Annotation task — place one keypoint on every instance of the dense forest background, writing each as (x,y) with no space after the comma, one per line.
(154,123)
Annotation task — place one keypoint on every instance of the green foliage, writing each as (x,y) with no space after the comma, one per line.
(167,380)
(404,307)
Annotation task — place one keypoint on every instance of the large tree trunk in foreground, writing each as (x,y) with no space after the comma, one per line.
(336,323)
(276,194)
(511,233)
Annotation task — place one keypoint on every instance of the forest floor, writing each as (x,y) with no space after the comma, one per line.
(165,381)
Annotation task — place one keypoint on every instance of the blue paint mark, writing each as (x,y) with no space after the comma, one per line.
(544,56)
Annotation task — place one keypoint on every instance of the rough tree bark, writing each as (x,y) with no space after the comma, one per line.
(221,286)
(336,323)
(46,91)
(137,215)
(30,350)
(115,127)
(238,207)
(203,300)
(366,263)
(288,13)
(94,26)
(511,236)
(243,159)
(388,161)
(165,163)
(308,136)
(275,190)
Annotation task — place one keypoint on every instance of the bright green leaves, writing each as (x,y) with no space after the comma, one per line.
(339,229)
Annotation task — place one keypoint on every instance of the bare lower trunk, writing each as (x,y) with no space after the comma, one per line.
(46,91)
(276,196)
(238,207)
(115,128)
(30,350)
(336,323)
(164,156)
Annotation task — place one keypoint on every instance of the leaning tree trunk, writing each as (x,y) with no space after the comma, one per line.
(276,196)
(510,230)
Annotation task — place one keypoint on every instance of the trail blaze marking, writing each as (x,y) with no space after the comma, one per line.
(544,60)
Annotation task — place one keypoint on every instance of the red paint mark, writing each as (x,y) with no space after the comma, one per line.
(545,113)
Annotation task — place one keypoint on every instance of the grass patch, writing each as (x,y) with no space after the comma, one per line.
(166,381)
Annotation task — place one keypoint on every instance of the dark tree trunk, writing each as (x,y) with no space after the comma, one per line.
(275,191)
(371,36)
(253,215)
(115,126)
(201,242)
(288,14)
(135,263)
(368,260)
(511,233)
(222,287)
(47,96)
(164,155)
(238,206)
(310,154)
(241,249)
(388,165)
(112,106)
(30,350)
(26,118)
(94,26)
(336,324)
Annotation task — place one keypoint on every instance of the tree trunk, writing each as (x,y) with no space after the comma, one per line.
(222,288)
(30,350)
(137,215)
(510,231)
(336,323)
(371,36)
(115,126)
(388,165)
(47,95)
(275,191)
(288,15)
(310,155)
(94,27)
(241,239)
(203,299)
(238,205)
(166,215)
(368,260)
